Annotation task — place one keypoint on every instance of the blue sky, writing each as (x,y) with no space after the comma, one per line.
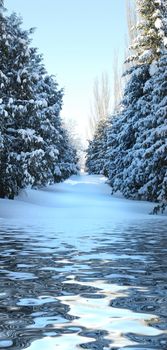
(78,39)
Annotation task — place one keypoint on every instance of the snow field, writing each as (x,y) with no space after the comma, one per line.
(80,203)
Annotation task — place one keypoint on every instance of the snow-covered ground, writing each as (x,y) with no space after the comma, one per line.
(81,202)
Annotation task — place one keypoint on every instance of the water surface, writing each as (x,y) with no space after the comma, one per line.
(102,290)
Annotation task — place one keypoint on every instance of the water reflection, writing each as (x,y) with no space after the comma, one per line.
(104,291)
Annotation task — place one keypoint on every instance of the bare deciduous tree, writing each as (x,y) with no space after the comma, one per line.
(117,83)
(100,107)
(131,15)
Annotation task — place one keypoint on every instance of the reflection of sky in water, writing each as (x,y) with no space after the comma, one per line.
(67,342)
(100,291)
(96,314)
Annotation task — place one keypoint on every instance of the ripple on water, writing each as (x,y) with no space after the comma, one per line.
(6,343)
(106,293)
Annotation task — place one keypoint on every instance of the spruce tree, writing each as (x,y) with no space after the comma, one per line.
(67,158)
(123,130)
(96,149)
(22,144)
(135,160)
(154,145)
(152,31)
(30,103)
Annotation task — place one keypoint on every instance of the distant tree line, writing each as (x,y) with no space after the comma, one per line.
(35,148)
(130,148)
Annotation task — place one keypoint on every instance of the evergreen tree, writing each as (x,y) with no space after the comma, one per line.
(152,31)
(30,103)
(22,144)
(67,159)
(96,149)
(133,158)
(135,148)
(123,130)
(154,141)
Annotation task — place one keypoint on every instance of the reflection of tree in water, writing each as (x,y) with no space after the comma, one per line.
(35,276)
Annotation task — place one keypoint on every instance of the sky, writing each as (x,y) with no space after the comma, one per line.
(78,40)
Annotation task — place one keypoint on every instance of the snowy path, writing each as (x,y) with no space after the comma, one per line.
(82,201)
(82,269)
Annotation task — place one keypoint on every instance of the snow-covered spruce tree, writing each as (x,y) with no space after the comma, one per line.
(129,136)
(5,118)
(60,145)
(48,122)
(22,144)
(67,158)
(122,133)
(140,180)
(153,143)
(2,111)
(96,149)
(30,107)
(57,163)
(151,29)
